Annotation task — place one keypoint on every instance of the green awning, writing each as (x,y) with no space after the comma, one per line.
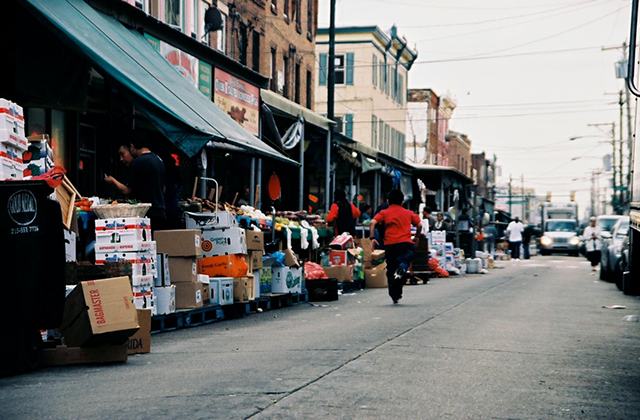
(170,101)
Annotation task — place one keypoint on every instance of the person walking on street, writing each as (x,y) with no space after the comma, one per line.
(593,243)
(399,248)
(344,214)
(491,234)
(515,230)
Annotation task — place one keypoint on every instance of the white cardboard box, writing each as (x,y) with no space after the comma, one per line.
(163,276)
(286,279)
(70,245)
(214,291)
(142,263)
(256,284)
(224,242)
(123,223)
(226,291)
(165,299)
(142,281)
(143,298)
(123,236)
(438,237)
(209,221)
(137,246)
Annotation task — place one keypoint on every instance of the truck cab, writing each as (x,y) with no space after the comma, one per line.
(560,235)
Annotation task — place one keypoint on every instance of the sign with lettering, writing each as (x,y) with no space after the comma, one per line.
(239,99)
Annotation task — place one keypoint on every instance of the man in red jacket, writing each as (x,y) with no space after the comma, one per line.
(399,248)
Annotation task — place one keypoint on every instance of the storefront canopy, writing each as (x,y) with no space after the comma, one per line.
(292,109)
(170,101)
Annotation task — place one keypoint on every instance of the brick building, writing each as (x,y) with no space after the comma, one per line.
(427,126)
(275,38)
(459,152)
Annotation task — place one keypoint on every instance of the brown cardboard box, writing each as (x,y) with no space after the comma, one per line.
(183,269)
(366,245)
(343,273)
(179,243)
(206,293)
(140,342)
(290,259)
(378,255)
(63,355)
(255,240)
(188,295)
(376,277)
(255,260)
(243,289)
(99,312)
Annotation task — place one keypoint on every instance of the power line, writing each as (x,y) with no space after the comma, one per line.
(462,8)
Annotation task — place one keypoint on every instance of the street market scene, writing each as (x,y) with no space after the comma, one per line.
(308,209)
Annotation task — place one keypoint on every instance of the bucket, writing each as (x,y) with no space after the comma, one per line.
(473,265)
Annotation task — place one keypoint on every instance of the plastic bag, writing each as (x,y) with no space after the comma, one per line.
(313,271)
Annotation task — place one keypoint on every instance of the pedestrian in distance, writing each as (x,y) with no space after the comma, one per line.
(526,242)
(592,237)
(491,234)
(426,215)
(514,230)
(439,225)
(399,248)
(344,214)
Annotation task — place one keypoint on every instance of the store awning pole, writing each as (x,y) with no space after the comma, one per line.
(358,191)
(351,184)
(327,180)
(252,181)
(301,172)
(259,181)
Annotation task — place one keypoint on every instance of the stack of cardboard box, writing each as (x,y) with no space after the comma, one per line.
(38,159)
(12,140)
(287,276)
(341,259)
(129,239)
(183,249)
(375,267)
(99,317)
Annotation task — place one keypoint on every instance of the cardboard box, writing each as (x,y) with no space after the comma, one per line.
(448,247)
(143,298)
(99,312)
(137,246)
(123,236)
(367,247)
(145,281)
(376,277)
(214,291)
(227,241)
(243,289)
(286,279)
(223,266)
(163,278)
(378,255)
(143,269)
(256,283)
(290,259)
(63,355)
(226,291)
(206,293)
(255,240)
(140,342)
(342,242)
(188,295)
(265,280)
(70,245)
(179,243)
(438,237)
(342,273)
(210,221)
(124,224)
(147,259)
(165,299)
(255,260)
(183,269)
(337,257)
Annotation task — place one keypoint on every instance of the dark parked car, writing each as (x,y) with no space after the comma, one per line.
(611,260)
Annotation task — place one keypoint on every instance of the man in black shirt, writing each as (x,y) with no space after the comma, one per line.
(145,182)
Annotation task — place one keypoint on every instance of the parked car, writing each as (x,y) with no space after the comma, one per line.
(611,259)
(560,235)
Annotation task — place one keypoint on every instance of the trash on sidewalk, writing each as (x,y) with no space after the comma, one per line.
(614,307)
(631,318)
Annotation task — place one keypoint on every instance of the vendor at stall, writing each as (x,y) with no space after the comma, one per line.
(344,214)
(145,182)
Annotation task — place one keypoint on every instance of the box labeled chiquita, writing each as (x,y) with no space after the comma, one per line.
(99,312)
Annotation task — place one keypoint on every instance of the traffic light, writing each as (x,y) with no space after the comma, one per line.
(572,196)
(548,196)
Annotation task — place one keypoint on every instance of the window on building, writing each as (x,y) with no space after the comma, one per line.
(348,125)
(309,90)
(400,94)
(193,22)
(255,53)
(309,19)
(273,85)
(286,10)
(340,69)
(173,13)
(222,35)
(296,84)
(387,138)
(203,37)
(374,131)
(322,69)
(297,14)
(374,72)
(243,44)
(285,90)
(381,125)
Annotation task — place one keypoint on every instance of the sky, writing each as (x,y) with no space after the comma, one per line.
(527,77)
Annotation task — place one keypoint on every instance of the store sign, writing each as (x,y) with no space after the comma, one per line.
(204,79)
(239,99)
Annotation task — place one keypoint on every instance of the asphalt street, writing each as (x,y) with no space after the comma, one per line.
(530,340)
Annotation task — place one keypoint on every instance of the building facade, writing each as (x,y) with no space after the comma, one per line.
(459,152)
(372,73)
(428,118)
(484,172)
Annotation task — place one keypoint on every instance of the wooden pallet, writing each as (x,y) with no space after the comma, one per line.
(184,318)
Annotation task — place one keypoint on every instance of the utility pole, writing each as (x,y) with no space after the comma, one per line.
(510,181)
(523,200)
(331,87)
(621,183)
(613,158)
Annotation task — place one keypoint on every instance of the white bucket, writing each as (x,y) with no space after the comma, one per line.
(473,265)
